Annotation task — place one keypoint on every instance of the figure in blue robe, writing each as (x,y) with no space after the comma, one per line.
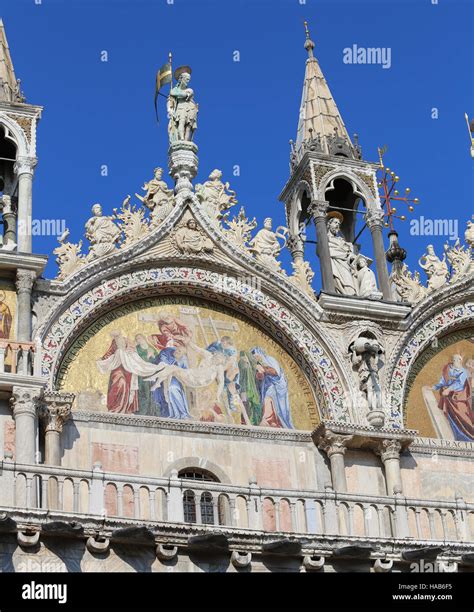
(176,405)
(273,386)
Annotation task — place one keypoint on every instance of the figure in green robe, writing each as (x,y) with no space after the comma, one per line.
(248,387)
(146,403)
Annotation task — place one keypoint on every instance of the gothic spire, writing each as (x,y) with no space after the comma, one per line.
(319,117)
(9,85)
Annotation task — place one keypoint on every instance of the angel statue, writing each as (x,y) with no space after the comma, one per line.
(182,109)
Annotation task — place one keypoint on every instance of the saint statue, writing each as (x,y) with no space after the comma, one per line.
(342,257)
(102,234)
(266,245)
(182,109)
(365,277)
(216,195)
(436,269)
(191,241)
(158,198)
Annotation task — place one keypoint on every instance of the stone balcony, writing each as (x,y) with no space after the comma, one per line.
(20,363)
(173,512)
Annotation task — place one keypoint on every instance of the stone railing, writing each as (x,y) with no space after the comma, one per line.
(177,500)
(21,358)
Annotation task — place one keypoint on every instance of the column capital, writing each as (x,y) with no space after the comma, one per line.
(25,165)
(318,209)
(374,218)
(25,400)
(388,449)
(333,444)
(25,280)
(295,245)
(55,409)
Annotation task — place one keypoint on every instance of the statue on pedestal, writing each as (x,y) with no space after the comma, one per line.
(182,109)
(365,277)
(366,359)
(342,257)
(102,234)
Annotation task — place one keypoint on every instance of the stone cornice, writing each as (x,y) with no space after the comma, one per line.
(362,436)
(192,427)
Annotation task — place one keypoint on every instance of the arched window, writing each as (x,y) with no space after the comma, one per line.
(206,504)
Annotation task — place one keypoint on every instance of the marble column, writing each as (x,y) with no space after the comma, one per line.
(374,219)
(389,451)
(24,402)
(24,169)
(334,445)
(54,412)
(295,245)
(24,284)
(318,210)
(9,220)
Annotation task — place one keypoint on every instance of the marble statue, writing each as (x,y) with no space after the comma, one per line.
(342,258)
(216,196)
(266,245)
(102,234)
(182,109)
(365,277)
(158,198)
(366,359)
(436,269)
(190,240)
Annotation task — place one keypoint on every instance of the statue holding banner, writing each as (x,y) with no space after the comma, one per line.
(182,109)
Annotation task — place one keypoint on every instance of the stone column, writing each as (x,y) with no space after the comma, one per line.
(334,445)
(374,220)
(24,402)
(389,451)
(9,220)
(24,169)
(24,284)
(318,210)
(54,412)
(295,245)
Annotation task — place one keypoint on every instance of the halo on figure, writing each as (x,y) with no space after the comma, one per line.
(179,71)
(335,214)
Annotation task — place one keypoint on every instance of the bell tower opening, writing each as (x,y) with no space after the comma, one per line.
(7,160)
(342,197)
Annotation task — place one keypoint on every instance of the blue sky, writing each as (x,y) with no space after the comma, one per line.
(100,113)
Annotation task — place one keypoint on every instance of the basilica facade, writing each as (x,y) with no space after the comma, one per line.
(176,400)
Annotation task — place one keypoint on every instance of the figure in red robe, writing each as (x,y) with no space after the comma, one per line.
(173,333)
